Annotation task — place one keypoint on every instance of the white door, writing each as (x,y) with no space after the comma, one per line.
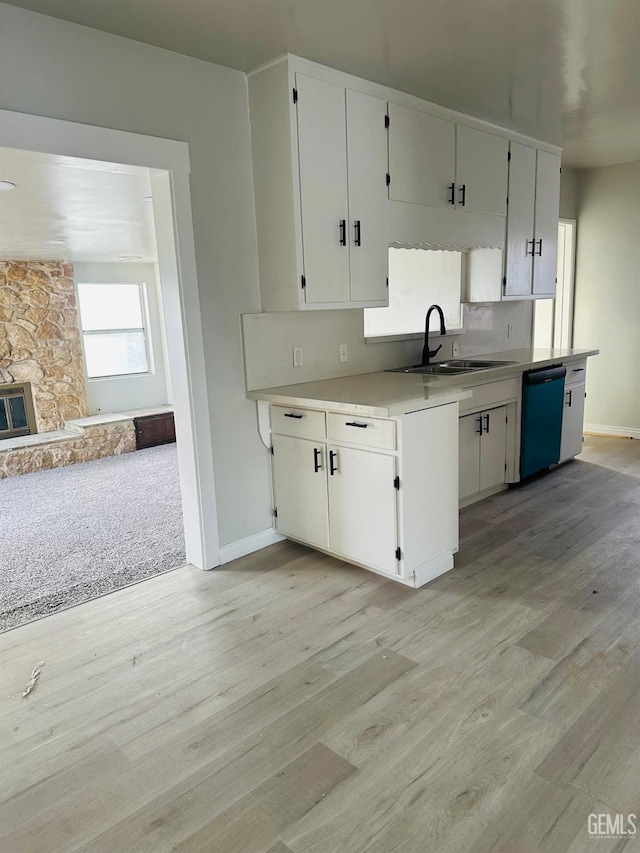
(422,157)
(482,171)
(362,507)
(493,448)
(572,422)
(322,153)
(546,224)
(367,169)
(300,489)
(469,455)
(520,217)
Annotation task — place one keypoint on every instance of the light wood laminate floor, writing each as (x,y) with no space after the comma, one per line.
(290,702)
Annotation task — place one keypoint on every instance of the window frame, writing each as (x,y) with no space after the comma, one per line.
(145,329)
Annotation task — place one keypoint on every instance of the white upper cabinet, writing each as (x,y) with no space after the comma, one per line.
(322,133)
(422,157)
(320,165)
(532,223)
(438,163)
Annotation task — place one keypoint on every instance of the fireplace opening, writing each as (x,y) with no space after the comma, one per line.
(17,416)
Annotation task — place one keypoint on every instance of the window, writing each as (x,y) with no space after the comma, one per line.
(417,279)
(113,329)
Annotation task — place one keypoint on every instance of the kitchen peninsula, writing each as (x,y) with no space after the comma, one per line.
(372,468)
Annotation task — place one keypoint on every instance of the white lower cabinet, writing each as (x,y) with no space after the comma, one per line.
(483,451)
(572,421)
(362,488)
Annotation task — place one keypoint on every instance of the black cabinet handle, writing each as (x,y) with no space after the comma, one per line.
(479,422)
(332,466)
(291,415)
(452,193)
(533,246)
(463,195)
(317,459)
(358,235)
(486,429)
(578,369)
(354,424)
(343,232)
(570,400)
(539,252)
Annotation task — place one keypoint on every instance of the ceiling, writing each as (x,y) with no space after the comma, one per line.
(64,208)
(566,71)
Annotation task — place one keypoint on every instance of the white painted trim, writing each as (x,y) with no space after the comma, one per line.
(602,429)
(249,544)
(179,283)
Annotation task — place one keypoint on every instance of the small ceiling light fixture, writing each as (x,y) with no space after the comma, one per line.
(130,258)
(7,185)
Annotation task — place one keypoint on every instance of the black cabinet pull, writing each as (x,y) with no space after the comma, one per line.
(452,193)
(343,232)
(539,252)
(358,235)
(533,246)
(317,459)
(578,369)
(570,400)
(332,466)
(354,424)
(463,195)
(479,422)
(291,415)
(486,429)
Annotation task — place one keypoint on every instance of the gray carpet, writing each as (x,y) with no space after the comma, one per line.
(74,533)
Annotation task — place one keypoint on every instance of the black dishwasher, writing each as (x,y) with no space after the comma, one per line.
(542,406)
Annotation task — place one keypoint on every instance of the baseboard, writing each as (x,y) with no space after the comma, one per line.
(248,545)
(602,429)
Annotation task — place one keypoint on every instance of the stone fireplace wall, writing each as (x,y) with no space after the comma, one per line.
(40,338)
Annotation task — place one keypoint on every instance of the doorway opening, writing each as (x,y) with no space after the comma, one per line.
(553,318)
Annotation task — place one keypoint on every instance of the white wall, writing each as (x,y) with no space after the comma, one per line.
(607,296)
(53,68)
(122,393)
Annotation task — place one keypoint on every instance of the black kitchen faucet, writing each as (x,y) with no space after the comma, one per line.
(428,354)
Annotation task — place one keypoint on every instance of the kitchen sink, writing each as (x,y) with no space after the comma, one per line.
(450,368)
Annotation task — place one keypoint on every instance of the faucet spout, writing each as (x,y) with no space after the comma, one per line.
(428,354)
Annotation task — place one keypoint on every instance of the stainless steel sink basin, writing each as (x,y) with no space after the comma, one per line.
(450,368)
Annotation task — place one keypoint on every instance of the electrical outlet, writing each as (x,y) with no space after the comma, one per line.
(454,349)
(343,350)
(298,357)
(510,330)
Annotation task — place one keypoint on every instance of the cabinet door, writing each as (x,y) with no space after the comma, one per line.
(469,458)
(493,448)
(362,507)
(421,157)
(572,422)
(482,171)
(522,189)
(301,490)
(322,153)
(367,169)
(546,224)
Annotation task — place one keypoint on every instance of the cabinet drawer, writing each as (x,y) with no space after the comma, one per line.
(576,372)
(295,421)
(368,432)
(491,394)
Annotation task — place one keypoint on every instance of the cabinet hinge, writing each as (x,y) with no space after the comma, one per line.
(303,282)
(504,281)
(508,155)
(387,281)
(271,449)
(388,178)
(275,512)
(560,169)
(295,96)
(387,121)
(507,200)
(505,466)
(398,554)
(396,483)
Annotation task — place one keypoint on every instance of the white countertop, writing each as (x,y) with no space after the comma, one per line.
(390,394)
